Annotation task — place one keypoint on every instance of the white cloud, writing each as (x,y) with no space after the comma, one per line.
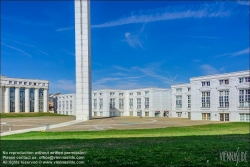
(233,54)
(16,49)
(133,40)
(242,52)
(64,86)
(27,22)
(208,69)
(170,13)
(104,80)
(65,29)
(243,2)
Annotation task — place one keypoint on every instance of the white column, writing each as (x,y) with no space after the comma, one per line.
(45,100)
(7,100)
(17,100)
(36,99)
(83,60)
(27,100)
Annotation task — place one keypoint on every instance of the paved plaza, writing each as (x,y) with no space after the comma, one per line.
(97,123)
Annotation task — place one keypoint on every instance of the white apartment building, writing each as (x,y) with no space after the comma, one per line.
(23,95)
(151,102)
(65,104)
(220,97)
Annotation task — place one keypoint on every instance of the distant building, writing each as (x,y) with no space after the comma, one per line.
(64,104)
(23,95)
(152,102)
(220,97)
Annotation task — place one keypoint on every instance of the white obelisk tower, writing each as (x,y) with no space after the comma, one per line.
(83,60)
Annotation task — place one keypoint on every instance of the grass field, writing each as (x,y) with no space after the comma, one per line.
(22,115)
(195,146)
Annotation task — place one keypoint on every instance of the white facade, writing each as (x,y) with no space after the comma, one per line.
(220,97)
(151,102)
(65,104)
(23,95)
(83,60)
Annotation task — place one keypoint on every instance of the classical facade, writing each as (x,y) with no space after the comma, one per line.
(150,102)
(23,95)
(220,97)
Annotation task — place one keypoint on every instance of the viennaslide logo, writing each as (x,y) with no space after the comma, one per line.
(234,156)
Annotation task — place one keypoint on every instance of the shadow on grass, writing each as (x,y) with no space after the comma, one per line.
(175,151)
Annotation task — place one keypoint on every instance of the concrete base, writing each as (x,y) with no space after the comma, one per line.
(82,117)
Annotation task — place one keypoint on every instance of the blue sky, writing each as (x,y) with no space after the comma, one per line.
(134,44)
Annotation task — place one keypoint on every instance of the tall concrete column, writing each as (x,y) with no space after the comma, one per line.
(27,99)
(7,100)
(17,100)
(45,100)
(83,60)
(36,99)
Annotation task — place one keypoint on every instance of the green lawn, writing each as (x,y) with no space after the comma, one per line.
(21,115)
(174,146)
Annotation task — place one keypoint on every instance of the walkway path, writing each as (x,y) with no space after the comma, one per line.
(41,128)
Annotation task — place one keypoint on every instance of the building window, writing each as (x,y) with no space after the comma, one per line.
(138,113)
(189,89)
(205,100)
(147,102)
(95,103)
(63,105)
(15,82)
(131,113)
(130,103)
(138,93)
(112,93)
(130,94)
(206,116)
(100,94)
(94,94)
(245,117)
(121,113)
(147,92)
(25,83)
(178,114)
(12,99)
(225,81)
(179,90)
(178,101)
(67,105)
(146,114)
(41,100)
(32,102)
(121,105)
(224,98)
(244,98)
(95,114)
(22,99)
(207,83)
(101,113)
(246,79)
(112,103)
(120,94)
(138,102)
(189,101)
(100,103)
(70,104)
